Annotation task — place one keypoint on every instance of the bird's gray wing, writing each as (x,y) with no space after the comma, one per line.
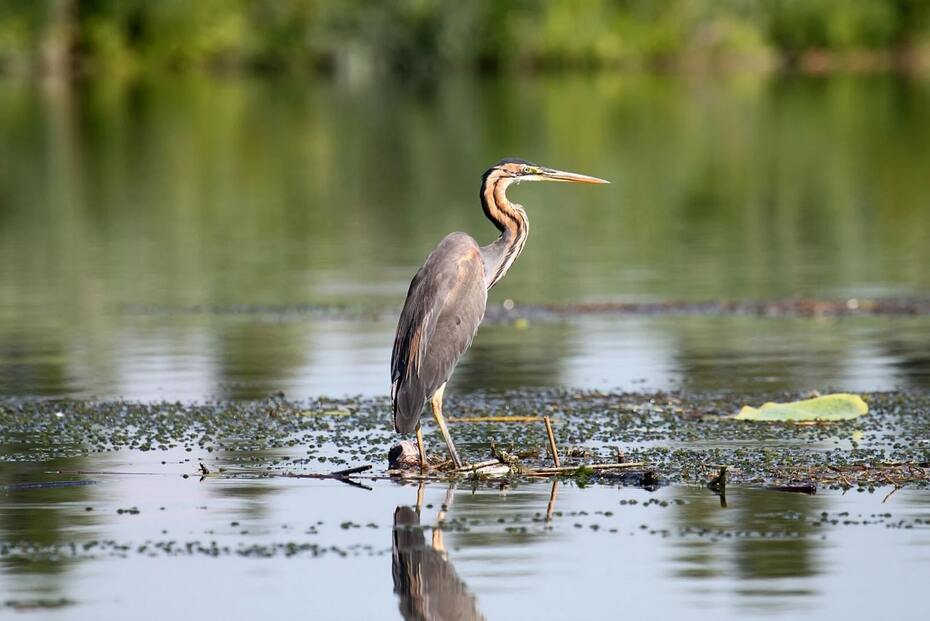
(445,305)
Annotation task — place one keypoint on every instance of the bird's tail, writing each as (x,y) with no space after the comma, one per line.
(408,403)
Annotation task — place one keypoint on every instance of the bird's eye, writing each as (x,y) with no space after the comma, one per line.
(527,170)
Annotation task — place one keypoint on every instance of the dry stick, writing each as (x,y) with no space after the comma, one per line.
(888,479)
(559,470)
(493,419)
(347,471)
(552,447)
(841,475)
(480,464)
(408,475)
(339,474)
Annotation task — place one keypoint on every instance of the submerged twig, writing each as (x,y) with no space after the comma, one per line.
(339,475)
(353,483)
(19,487)
(553,495)
(885,499)
(565,469)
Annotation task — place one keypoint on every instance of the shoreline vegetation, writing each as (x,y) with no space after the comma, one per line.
(418,38)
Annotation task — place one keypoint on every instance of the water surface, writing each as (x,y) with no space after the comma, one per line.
(188,239)
(211,200)
(238,548)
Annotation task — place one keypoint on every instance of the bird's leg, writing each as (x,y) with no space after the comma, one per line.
(420,488)
(422,448)
(436,404)
(438,544)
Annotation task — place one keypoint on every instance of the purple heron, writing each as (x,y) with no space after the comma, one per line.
(447,297)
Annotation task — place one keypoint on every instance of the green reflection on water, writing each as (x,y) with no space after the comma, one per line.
(40,517)
(193,192)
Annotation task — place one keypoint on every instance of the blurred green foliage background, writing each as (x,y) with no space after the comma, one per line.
(169,223)
(426,36)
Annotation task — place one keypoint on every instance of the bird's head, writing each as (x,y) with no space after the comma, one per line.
(521,170)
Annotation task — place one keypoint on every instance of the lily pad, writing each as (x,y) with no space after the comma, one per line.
(840,406)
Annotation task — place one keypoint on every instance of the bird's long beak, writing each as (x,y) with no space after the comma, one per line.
(549,174)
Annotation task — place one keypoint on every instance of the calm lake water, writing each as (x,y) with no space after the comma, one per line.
(152,546)
(164,240)
(191,239)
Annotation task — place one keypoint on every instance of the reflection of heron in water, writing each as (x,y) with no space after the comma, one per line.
(424,578)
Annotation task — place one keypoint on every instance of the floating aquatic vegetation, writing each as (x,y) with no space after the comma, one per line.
(840,406)
(674,435)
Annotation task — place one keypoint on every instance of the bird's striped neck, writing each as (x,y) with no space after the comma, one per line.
(510,220)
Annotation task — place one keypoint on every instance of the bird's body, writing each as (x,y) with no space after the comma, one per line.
(447,298)
(445,304)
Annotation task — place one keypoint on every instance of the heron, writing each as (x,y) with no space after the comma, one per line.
(448,295)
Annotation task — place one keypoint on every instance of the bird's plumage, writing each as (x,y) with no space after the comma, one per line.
(445,304)
(447,297)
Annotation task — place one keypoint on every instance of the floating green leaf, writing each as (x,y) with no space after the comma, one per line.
(839,406)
